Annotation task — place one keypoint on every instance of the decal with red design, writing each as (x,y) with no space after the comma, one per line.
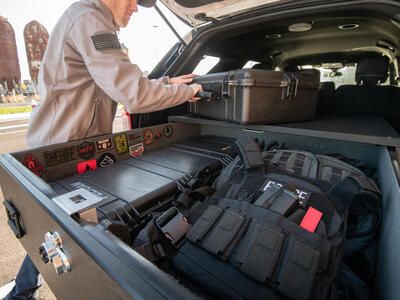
(104,144)
(86,150)
(148,136)
(168,131)
(157,134)
(33,164)
(86,166)
(136,150)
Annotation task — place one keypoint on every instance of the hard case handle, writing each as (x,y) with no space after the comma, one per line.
(208,96)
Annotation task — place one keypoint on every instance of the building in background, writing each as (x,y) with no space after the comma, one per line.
(36,38)
(10,73)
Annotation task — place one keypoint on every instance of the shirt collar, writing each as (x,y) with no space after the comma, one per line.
(104,9)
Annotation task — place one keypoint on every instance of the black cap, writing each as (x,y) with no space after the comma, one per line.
(147,3)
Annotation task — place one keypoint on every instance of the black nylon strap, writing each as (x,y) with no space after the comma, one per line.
(355,195)
(147,250)
(186,199)
(343,193)
(366,184)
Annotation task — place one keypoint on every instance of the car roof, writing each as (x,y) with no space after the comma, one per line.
(324,42)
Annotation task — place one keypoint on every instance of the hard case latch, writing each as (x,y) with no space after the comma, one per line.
(14,219)
(290,87)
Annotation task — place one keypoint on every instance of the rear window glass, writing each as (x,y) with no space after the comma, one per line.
(206,64)
(250,64)
(342,76)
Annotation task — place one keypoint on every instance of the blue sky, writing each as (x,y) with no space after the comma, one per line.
(147,36)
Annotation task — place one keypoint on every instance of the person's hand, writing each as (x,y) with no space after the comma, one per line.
(196,88)
(187,78)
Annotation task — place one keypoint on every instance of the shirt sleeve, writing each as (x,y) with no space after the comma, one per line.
(113,72)
(164,79)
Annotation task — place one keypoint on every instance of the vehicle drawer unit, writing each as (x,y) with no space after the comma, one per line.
(258,96)
(111,268)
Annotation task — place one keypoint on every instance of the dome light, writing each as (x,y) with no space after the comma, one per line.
(300,27)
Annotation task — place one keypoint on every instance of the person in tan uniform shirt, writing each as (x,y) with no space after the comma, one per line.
(85,73)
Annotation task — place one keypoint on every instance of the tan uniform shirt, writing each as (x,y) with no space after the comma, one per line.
(85,73)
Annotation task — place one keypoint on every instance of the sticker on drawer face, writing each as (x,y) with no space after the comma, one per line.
(148,136)
(168,130)
(106,160)
(135,138)
(86,150)
(33,164)
(157,134)
(136,150)
(121,143)
(104,144)
(59,156)
(86,166)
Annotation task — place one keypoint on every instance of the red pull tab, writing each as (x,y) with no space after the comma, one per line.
(311,219)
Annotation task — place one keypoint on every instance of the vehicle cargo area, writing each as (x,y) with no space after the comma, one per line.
(115,186)
(281,183)
(322,72)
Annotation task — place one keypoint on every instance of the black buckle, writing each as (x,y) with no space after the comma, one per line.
(173,225)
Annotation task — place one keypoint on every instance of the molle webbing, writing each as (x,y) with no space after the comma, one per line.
(314,166)
(263,245)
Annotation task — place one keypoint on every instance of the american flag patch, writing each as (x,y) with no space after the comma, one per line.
(106,41)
